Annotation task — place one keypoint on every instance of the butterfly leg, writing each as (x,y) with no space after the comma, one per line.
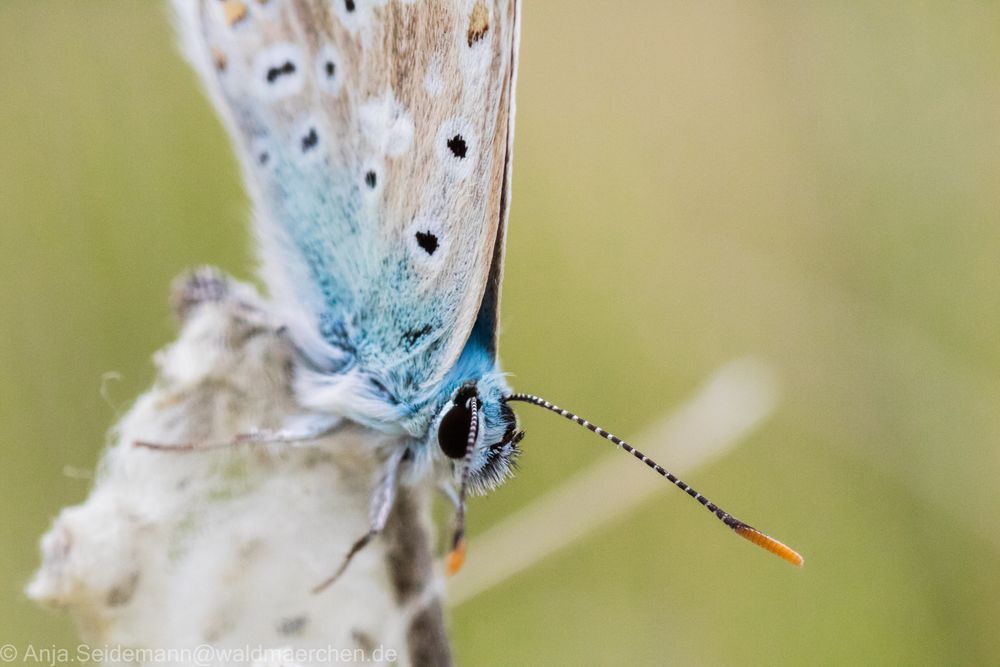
(382,501)
(294,432)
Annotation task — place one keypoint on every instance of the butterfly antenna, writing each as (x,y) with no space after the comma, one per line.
(744,530)
(457,555)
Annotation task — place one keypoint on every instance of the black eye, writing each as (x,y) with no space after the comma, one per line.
(427,241)
(453,432)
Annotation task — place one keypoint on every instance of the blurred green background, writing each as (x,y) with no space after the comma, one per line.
(813,183)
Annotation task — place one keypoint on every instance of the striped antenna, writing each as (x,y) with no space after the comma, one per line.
(457,555)
(745,531)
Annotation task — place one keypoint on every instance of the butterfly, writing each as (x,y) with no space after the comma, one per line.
(375,139)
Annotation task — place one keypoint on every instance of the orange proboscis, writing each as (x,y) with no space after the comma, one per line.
(456,558)
(770,544)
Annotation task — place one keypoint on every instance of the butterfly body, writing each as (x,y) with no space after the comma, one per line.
(376,141)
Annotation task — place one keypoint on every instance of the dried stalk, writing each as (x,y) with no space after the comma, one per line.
(220,547)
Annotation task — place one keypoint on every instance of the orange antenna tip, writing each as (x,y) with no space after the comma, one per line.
(780,550)
(456,557)
(745,531)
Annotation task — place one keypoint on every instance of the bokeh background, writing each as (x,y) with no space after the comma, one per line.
(816,184)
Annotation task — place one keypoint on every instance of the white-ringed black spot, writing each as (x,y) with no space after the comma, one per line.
(428,241)
(328,69)
(371,179)
(264,158)
(310,140)
(349,5)
(458,147)
(276,72)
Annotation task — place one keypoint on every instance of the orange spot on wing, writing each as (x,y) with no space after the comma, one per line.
(234,11)
(479,22)
(456,558)
(770,544)
(219,58)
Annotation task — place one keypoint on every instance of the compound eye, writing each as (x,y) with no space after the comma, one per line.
(453,432)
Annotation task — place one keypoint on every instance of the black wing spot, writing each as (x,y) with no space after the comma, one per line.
(413,335)
(310,140)
(458,147)
(427,241)
(264,158)
(371,180)
(275,73)
(330,68)
(349,4)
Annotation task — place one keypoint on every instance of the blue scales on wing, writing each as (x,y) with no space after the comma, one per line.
(375,140)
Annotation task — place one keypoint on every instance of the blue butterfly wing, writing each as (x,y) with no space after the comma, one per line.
(375,140)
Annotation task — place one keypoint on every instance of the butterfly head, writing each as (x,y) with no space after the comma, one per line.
(478,430)
(479,433)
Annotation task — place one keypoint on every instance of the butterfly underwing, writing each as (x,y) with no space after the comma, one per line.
(375,138)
